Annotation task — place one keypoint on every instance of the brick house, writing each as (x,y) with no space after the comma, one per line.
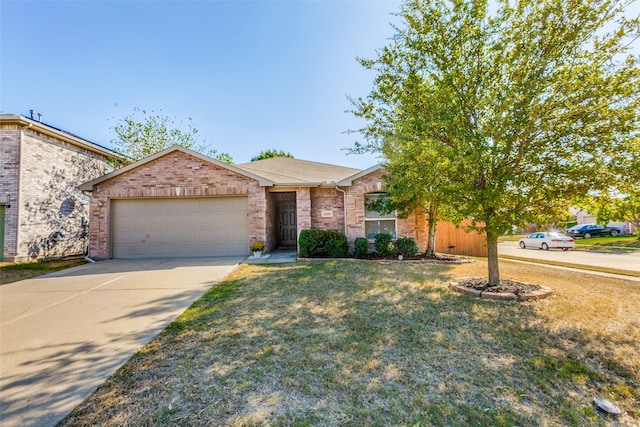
(181,203)
(42,211)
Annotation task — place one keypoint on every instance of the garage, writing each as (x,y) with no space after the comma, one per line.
(179,227)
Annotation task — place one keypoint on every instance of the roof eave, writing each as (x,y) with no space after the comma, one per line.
(348,181)
(63,136)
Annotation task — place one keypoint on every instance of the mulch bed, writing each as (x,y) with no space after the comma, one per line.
(507,289)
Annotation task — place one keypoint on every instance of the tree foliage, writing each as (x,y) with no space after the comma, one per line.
(143,133)
(621,201)
(508,111)
(268,154)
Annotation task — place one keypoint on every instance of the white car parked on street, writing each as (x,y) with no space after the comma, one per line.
(546,240)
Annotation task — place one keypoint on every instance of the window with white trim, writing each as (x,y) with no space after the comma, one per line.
(376,222)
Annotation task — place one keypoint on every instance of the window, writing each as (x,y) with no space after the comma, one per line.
(376,222)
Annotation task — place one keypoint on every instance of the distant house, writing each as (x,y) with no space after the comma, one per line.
(181,203)
(42,211)
(584,217)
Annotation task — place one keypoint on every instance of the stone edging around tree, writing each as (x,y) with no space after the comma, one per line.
(543,292)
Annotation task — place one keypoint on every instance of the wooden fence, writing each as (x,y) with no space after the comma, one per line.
(456,241)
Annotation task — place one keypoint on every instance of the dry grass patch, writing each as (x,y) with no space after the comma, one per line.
(383,343)
(15,272)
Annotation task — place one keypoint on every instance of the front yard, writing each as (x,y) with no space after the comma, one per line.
(383,343)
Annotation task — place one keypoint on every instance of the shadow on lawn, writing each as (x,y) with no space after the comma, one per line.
(346,343)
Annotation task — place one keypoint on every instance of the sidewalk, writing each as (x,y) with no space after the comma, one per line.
(275,257)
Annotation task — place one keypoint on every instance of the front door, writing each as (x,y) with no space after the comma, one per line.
(287,225)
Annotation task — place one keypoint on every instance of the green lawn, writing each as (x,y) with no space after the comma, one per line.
(383,343)
(618,241)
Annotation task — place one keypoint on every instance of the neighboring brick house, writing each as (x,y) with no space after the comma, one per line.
(181,203)
(42,211)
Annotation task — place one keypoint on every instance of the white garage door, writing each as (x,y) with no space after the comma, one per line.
(147,228)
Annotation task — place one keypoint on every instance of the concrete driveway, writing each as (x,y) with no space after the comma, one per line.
(63,334)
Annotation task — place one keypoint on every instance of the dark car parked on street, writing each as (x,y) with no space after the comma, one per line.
(591,230)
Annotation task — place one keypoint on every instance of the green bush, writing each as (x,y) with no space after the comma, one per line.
(336,243)
(362,247)
(384,244)
(407,247)
(310,242)
(322,243)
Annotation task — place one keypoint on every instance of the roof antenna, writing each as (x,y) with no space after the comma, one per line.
(31,111)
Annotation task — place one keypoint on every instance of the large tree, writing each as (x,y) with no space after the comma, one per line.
(528,104)
(268,154)
(143,133)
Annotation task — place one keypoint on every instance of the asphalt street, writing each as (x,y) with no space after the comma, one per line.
(618,260)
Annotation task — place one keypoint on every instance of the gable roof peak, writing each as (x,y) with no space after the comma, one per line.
(88,186)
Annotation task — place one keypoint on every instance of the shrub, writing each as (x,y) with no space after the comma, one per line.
(336,243)
(407,247)
(384,244)
(362,247)
(310,243)
(320,243)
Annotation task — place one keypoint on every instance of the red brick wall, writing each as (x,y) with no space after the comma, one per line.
(303,208)
(327,201)
(176,174)
(355,203)
(448,240)
(413,226)
(270,223)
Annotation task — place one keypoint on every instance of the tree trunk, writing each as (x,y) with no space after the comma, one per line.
(492,252)
(432,220)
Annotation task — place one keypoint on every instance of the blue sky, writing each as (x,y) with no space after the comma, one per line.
(251,75)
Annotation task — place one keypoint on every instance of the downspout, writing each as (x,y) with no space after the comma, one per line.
(344,204)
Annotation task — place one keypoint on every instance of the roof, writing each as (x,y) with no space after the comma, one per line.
(58,134)
(287,171)
(276,171)
(88,186)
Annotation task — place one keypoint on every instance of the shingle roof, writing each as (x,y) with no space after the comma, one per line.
(289,171)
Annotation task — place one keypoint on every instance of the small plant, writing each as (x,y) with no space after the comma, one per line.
(362,247)
(384,244)
(256,246)
(407,247)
